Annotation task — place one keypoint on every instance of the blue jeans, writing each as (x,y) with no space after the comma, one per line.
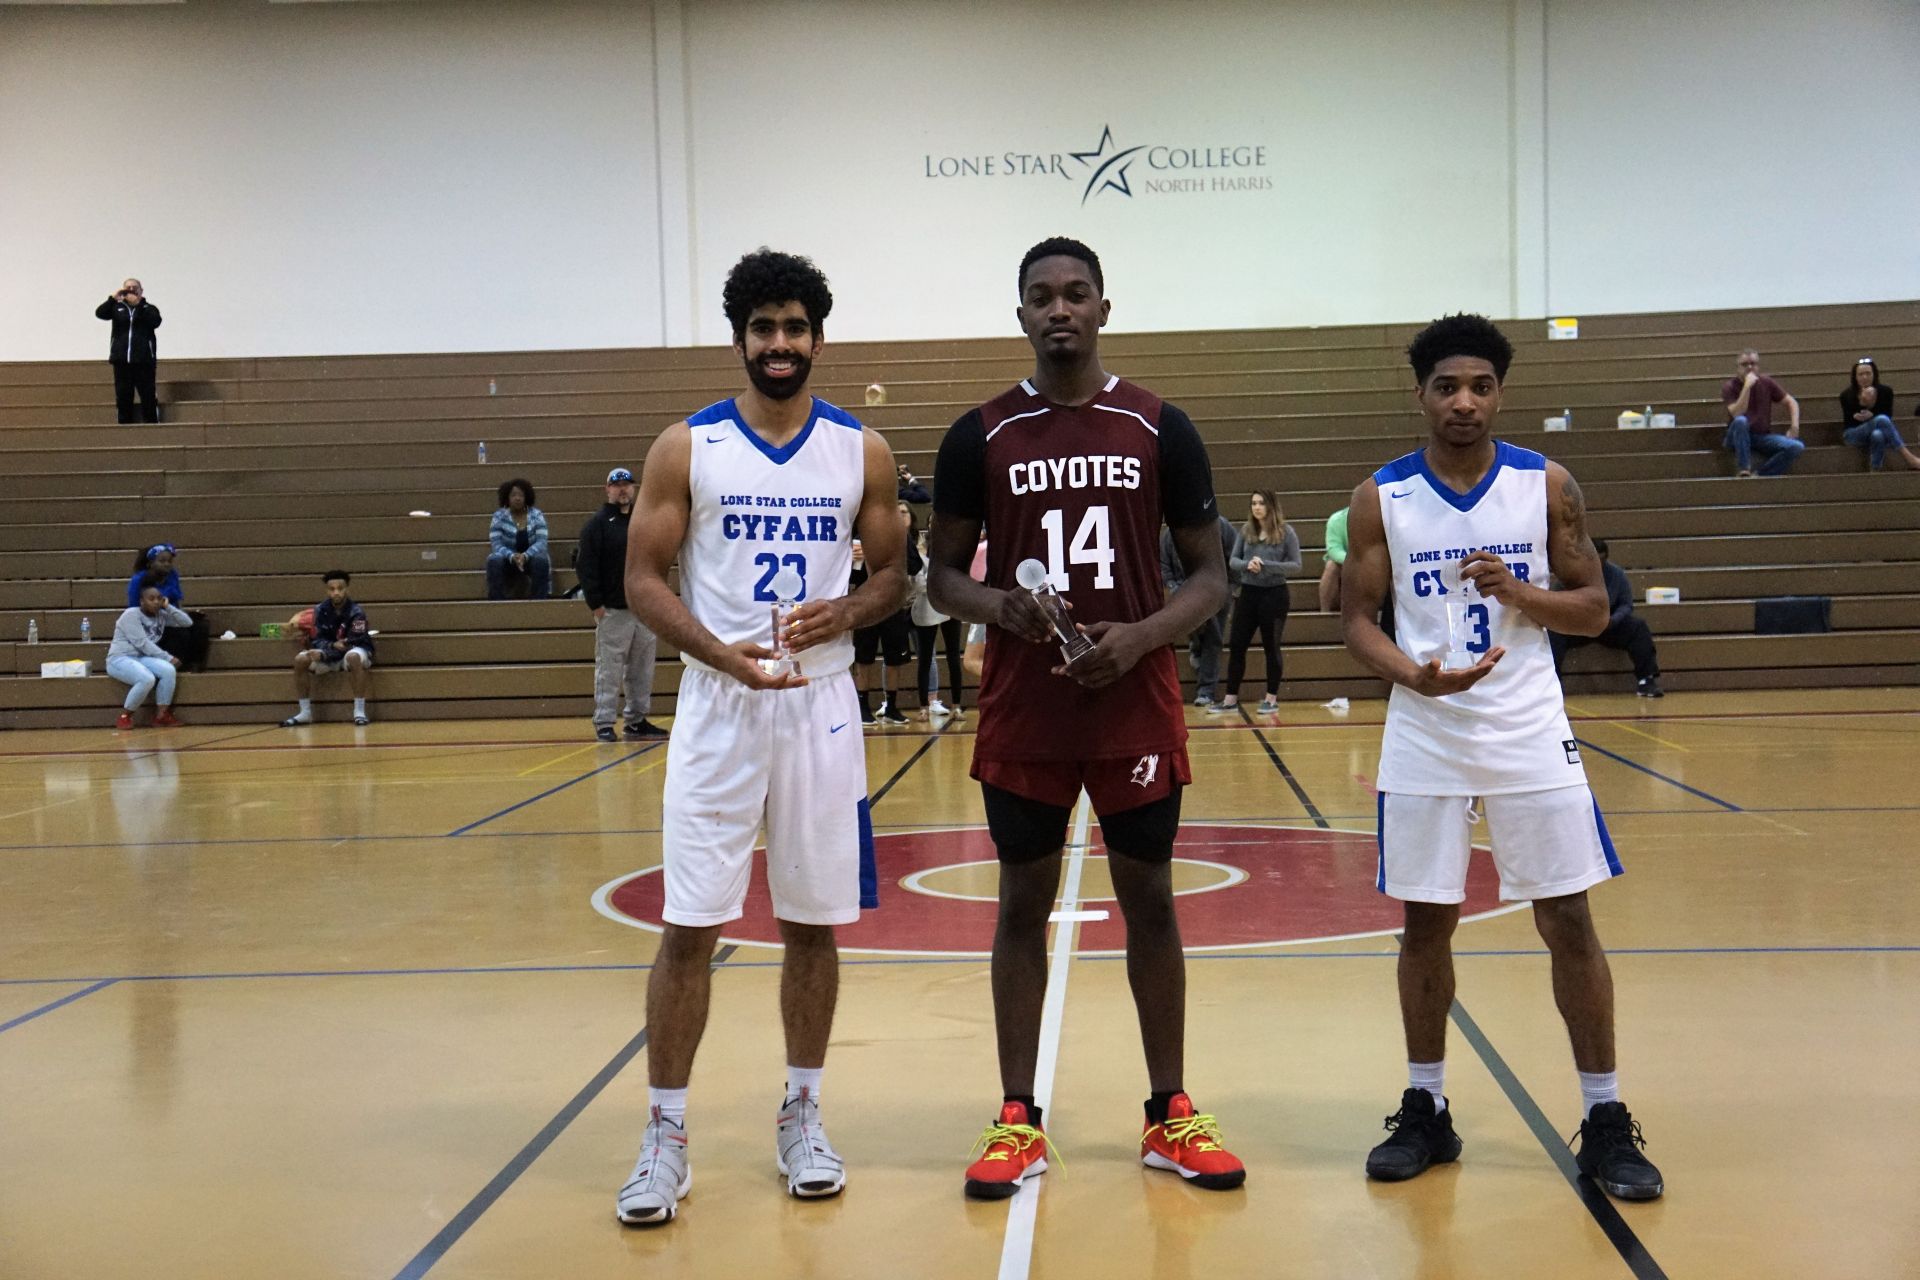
(1778,450)
(1876,435)
(539,569)
(143,673)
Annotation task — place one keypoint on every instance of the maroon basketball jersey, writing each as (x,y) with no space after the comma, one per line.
(1083,490)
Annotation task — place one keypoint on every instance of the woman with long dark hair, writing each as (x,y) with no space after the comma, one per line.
(1866,412)
(1265,552)
(189,644)
(517,543)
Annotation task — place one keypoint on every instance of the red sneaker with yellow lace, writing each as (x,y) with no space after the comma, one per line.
(1190,1146)
(1011,1150)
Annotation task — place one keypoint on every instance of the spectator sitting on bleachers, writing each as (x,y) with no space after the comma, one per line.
(136,659)
(342,641)
(1624,630)
(1749,397)
(911,490)
(189,644)
(518,550)
(1866,411)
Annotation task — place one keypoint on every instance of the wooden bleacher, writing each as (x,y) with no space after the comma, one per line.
(252,449)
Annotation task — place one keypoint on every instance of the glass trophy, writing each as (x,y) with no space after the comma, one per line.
(1460,630)
(1032,575)
(786,588)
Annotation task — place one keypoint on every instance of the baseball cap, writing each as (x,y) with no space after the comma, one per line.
(619,475)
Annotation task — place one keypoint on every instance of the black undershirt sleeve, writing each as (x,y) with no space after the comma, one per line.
(1186,477)
(960,471)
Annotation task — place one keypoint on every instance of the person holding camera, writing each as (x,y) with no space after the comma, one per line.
(132,350)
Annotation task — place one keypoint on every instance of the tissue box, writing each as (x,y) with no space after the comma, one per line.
(1631,420)
(78,669)
(1662,422)
(1553,424)
(1663,595)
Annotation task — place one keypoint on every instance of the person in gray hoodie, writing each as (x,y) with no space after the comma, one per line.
(1265,552)
(136,659)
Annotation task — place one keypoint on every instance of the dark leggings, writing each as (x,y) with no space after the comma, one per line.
(189,644)
(923,644)
(1265,608)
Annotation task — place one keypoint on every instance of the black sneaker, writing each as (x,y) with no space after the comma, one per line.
(644,728)
(1649,688)
(890,714)
(1420,1138)
(1610,1144)
(604,732)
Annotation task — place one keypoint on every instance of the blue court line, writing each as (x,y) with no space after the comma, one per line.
(1728,805)
(51,1005)
(881,961)
(631,755)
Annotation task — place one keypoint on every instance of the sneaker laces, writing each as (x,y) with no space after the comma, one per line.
(1202,1131)
(1612,1136)
(1013,1137)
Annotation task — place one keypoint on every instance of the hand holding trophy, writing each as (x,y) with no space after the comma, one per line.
(1032,575)
(786,587)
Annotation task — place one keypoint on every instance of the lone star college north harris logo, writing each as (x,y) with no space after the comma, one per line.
(1109,169)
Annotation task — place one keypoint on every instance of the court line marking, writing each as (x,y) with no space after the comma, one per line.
(1016,1248)
(461,1222)
(545,764)
(51,1005)
(513,808)
(1605,1214)
(1728,805)
(1299,792)
(901,772)
(1622,724)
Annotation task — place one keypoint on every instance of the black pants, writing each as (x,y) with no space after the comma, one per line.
(189,644)
(1264,608)
(1633,635)
(129,378)
(949,631)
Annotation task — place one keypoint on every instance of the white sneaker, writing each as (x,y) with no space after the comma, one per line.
(661,1177)
(938,708)
(802,1152)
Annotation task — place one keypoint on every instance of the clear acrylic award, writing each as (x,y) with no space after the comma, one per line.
(786,588)
(1460,629)
(1032,575)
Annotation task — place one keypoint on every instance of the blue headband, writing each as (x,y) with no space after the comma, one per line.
(158,547)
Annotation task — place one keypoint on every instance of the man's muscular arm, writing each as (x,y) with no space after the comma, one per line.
(1120,645)
(1580,607)
(654,536)
(884,541)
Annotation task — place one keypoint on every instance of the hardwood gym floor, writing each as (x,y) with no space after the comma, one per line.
(366,1003)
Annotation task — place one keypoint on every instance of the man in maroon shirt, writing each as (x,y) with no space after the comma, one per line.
(1076,468)
(1749,397)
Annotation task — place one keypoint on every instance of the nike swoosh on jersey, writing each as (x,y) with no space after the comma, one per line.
(837,728)
(1403,493)
(715,439)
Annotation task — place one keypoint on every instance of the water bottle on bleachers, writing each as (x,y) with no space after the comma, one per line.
(86,630)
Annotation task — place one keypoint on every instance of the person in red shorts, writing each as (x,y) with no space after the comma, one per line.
(1077,469)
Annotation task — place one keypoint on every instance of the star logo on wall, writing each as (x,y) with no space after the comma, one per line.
(1109,165)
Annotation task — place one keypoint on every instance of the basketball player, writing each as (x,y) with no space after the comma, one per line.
(1076,469)
(1463,535)
(770,481)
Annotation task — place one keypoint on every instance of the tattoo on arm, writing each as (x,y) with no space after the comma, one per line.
(1575,545)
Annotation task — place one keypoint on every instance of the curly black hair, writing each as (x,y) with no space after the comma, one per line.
(1459,335)
(1062,247)
(341,574)
(768,276)
(523,486)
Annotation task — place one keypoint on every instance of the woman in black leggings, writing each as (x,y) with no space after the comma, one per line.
(1265,552)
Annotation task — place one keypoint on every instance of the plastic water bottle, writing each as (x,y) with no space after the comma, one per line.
(1568,414)
(493,387)
(483,453)
(33,631)
(86,630)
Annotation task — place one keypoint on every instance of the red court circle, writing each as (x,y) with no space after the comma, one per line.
(1300,885)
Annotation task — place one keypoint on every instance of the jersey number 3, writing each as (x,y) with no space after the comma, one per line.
(1092,544)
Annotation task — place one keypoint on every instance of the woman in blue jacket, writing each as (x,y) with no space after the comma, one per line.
(518,538)
(189,644)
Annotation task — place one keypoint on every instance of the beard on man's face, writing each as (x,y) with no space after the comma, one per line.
(780,388)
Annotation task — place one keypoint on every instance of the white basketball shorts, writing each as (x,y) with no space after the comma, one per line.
(794,759)
(1546,844)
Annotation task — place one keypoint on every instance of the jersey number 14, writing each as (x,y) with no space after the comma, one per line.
(1092,544)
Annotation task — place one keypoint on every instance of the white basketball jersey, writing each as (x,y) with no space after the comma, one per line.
(756,510)
(1508,733)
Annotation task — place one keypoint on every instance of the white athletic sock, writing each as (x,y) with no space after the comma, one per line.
(1597,1087)
(359,706)
(1431,1076)
(672,1104)
(807,1078)
(306,706)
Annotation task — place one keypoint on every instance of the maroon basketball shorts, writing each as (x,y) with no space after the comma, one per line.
(1137,798)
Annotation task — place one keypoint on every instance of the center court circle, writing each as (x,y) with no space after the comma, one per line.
(1239,886)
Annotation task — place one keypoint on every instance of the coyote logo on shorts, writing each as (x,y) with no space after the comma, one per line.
(1144,771)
